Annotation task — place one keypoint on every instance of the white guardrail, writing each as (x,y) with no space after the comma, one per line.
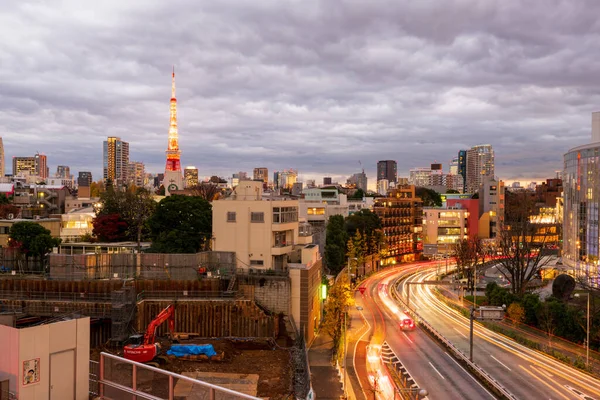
(494,384)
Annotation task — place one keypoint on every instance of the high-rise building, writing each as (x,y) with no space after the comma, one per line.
(190,176)
(437,177)
(453,166)
(2,170)
(480,164)
(462,168)
(24,166)
(359,180)
(261,174)
(491,207)
(63,171)
(116,161)
(84,178)
(387,169)
(420,176)
(41,166)
(286,179)
(136,173)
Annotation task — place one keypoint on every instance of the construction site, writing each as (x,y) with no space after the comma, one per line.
(139,302)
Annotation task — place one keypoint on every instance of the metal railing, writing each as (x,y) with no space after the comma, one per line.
(55,296)
(187,295)
(480,372)
(147,382)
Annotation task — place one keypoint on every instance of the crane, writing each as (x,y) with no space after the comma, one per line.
(147,350)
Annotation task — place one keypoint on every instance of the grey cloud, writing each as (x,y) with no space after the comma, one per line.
(315,85)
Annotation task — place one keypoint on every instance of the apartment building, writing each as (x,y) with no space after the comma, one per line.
(265,234)
(401,214)
(480,164)
(491,207)
(116,160)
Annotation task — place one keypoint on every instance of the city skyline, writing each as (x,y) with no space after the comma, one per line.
(311,90)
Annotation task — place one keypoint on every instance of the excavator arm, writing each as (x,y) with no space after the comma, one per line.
(166,314)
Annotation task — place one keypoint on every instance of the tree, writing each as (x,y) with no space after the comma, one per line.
(4,199)
(138,207)
(110,228)
(335,244)
(452,191)
(470,253)
(338,300)
(208,191)
(516,313)
(358,194)
(522,242)
(367,223)
(430,197)
(358,248)
(181,224)
(32,240)
(97,188)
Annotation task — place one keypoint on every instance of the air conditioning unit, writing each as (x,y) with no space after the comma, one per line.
(11,216)
(37,217)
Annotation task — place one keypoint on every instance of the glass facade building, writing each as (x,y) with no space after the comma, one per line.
(581,191)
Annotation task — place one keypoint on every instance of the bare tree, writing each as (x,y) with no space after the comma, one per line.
(522,241)
(470,255)
(136,209)
(208,191)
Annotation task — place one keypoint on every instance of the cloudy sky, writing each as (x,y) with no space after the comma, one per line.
(310,85)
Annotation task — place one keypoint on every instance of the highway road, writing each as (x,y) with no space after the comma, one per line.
(429,364)
(526,373)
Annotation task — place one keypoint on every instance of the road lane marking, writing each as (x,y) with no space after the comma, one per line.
(543,372)
(438,372)
(469,375)
(543,382)
(407,338)
(501,363)
(460,333)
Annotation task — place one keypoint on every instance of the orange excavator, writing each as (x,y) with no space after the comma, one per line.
(144,348)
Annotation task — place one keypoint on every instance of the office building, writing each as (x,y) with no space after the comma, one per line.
(491,207)
(581,198)
(190,176)
(387,169)
(136,173)
(63,171)
(480,163)
(285,179)
(420,177)
(84,179)
(41,166)
(2,160)
(24,166)
(359,181)
(462,168)
(261,174)
(116,161)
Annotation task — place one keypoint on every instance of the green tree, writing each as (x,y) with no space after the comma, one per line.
(358,194)
(358,247)
(339,299)
(335,244)
(181,224)
(32,240)
(430,197)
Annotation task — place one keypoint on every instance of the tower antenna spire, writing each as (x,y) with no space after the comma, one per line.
(173,84)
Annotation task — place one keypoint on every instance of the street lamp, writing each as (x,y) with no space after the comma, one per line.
(345,325)
(587,340)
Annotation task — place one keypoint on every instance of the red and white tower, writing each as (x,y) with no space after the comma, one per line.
(173,177)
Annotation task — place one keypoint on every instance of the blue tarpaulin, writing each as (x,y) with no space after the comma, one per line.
(180,350)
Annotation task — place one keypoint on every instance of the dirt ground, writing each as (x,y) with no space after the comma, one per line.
(240,356)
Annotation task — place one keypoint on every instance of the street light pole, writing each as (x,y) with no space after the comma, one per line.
(471,335)
(587,340)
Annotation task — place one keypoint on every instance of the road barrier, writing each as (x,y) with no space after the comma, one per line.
(459,355)
(398,371)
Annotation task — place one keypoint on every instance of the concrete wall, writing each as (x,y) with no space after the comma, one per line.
(274,294)
(9,359)
(51,344)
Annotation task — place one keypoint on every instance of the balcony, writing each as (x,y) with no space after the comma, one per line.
(281,249)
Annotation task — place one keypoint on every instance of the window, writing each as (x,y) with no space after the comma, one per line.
(283,215)
(257,262)
(257,217)
(230,216)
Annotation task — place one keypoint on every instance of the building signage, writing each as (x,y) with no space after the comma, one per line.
(31,371)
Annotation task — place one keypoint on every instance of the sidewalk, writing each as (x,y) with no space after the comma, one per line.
(325,380)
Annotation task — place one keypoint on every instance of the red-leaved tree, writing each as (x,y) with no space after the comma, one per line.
(110,228)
